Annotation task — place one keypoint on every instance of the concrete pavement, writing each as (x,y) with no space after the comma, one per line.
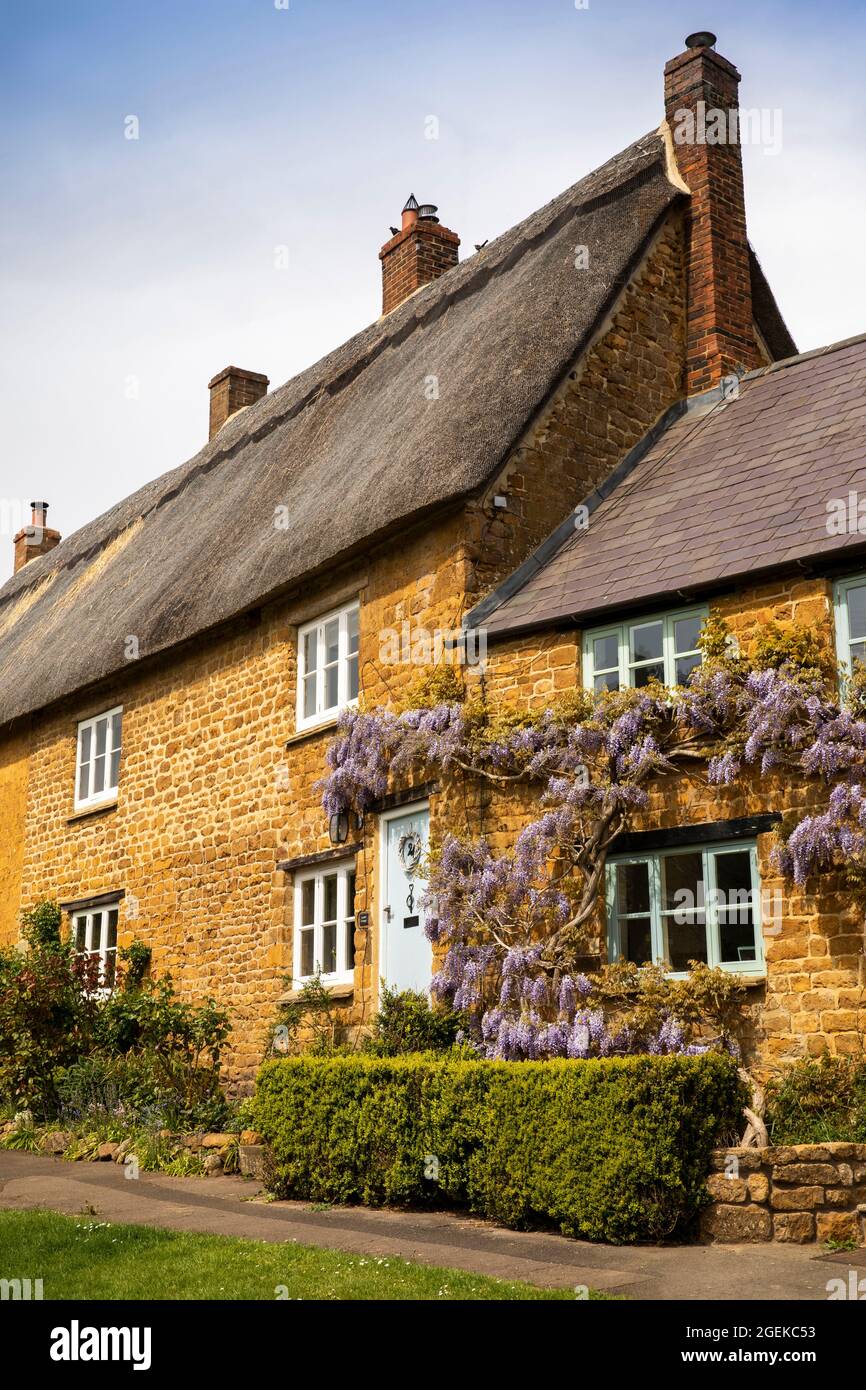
(233,1206)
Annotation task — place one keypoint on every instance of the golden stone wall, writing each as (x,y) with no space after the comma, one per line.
(814,996)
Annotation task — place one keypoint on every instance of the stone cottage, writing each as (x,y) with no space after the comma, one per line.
(171,674)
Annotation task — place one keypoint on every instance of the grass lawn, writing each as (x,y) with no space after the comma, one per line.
(79,1258)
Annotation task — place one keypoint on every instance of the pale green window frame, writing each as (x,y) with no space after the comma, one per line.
(850,642)
(611,657)
(659,916)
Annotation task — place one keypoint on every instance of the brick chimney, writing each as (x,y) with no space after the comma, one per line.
(35,539)
(230,390)
(701,108)
(419,252)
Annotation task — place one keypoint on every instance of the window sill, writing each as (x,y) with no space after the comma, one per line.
(326,726)
(87,811)
(343,990)
(749,978)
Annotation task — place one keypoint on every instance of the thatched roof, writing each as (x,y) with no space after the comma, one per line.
(352,448)
(731,492)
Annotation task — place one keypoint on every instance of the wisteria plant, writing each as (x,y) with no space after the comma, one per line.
(513,927)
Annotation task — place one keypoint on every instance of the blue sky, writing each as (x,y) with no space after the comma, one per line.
(133,270)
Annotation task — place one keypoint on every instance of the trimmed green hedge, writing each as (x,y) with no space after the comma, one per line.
(615,1149)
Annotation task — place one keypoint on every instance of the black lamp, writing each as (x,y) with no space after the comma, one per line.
(338,827)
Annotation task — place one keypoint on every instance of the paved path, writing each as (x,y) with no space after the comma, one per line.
(232,1206)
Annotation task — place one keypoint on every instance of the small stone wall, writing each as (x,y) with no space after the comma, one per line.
(799,1193)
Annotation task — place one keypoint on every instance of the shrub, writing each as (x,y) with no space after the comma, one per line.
(47,1014)
(40,924)
(405,1023)
(818,1101)
(615,1149)
(60,1038)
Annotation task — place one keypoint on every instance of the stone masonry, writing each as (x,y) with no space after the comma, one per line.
(801,1193)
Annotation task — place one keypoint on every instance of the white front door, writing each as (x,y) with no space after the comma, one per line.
(407,956)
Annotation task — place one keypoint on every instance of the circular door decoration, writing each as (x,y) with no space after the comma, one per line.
(410,848)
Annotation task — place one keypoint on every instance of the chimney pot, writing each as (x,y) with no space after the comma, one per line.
(702,39)
(35,539)
(230,391)
(419,252)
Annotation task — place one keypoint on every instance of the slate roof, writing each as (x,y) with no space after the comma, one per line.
(730,490)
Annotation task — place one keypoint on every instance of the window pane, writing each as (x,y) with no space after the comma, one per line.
(632,888)
(99,755)
(332,697)
(635,940)
(858,652)
(114,765)
(306,953)
(735,907)
(605,652)
(684,667)
(352,623)
(79,933)
(308,902)
(332,640)
(686,634)
(352,679)
(350,921)
(329,949)
(311,648)
(610,681)
(111,932)
(642,675)
(857,611)
(309,696)
(84,742)
(330,898)
(646,641)
(94,926)
(84,746)
(686,940)
(681,874)
(734,876)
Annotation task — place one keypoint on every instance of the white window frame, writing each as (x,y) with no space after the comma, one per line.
(108,792)
(622,632)
(96,922)
(845,639)
(322,711)
(345,971)
(709,853)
